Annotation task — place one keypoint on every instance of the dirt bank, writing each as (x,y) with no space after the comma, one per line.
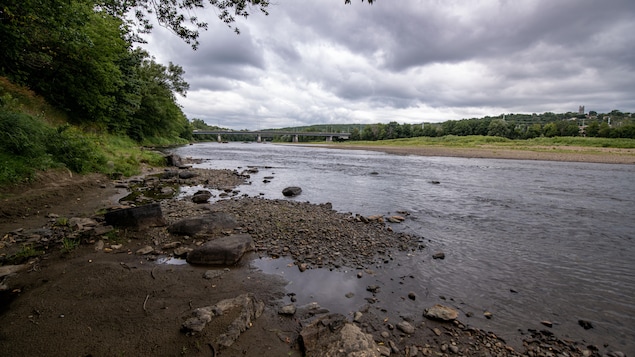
(560,153)
(103,298)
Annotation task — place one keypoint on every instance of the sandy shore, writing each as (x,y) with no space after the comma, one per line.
(560,153)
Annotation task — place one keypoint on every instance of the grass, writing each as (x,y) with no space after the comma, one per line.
(27,251)
(70,244)
(476,141)
(35,136)
(29,144)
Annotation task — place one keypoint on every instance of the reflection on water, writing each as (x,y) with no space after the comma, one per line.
(328,288)
(171,261)
(559,235)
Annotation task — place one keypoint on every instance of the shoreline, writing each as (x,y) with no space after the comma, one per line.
(149,298)
(559,153)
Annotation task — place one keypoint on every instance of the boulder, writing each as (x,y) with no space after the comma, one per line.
(209,224)
(173,160)
(184,175)
(292,191)
(439,255)
(221,251)
(137,217)
(440,312)
(332,335)
(201,196)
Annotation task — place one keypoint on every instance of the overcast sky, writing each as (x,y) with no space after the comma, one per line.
(321,62)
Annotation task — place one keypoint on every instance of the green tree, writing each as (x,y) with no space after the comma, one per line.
(432,130)
(550,130)
(356,134)
(604,131)
(367,133)
(568,128)
(533,131)
(417,130)
(593,129)
(498,127)
(406,131)
(158,114)
(393,130)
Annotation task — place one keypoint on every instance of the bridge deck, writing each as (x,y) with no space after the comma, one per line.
(267,133)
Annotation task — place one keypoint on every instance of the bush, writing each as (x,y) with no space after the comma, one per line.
(22,134)
(75,150)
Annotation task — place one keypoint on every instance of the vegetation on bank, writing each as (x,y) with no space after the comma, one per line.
(35,136)
(76,93)
(472,141)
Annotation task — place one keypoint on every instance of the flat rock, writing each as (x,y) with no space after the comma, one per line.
(11,269)
(226,250)
(145,250)
(181,251)
(81,223)
(136,217)
(250,309)
(211,223)
(440,312)
(287,310)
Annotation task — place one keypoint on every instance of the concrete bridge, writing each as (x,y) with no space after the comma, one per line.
(270,134)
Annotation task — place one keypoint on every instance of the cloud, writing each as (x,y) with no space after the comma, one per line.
(322,61)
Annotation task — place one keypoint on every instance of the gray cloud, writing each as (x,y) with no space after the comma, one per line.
(410,61)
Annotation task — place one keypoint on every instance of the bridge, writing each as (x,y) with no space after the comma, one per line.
(270,134)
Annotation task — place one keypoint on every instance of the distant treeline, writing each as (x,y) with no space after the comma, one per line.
(615,124)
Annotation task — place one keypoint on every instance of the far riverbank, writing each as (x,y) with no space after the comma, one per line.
(546,153)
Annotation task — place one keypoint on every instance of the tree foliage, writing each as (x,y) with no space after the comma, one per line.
(79,56)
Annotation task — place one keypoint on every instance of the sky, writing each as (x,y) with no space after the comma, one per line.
(410,61)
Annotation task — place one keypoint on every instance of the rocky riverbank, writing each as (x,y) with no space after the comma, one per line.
(96,289)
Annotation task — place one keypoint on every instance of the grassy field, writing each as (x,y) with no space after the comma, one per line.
(477,141)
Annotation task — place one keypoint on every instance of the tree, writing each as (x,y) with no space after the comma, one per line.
(498,127)
(604,130)
(432,130)
(550,130)
(158,113)
(367,133)
(533,131)
(592,129)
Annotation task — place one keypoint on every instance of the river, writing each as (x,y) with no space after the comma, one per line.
(528,241)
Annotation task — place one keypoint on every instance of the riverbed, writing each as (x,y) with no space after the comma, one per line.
(527,241)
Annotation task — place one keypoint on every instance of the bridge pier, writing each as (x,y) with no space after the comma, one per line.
(329,139)
(295,138)
(220,140)
(259,138)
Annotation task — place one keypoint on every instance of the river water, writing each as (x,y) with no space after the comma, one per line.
(527,241)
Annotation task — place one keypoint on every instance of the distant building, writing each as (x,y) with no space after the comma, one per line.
(581,109)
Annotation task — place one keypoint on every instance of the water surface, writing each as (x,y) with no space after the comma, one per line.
(525,240)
